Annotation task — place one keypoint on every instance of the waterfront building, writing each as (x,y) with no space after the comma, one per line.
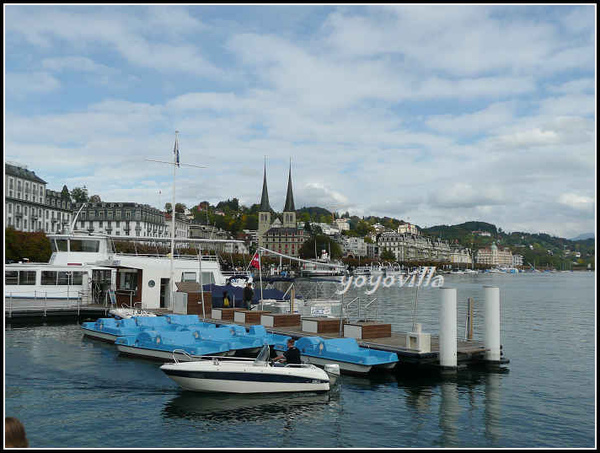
(283,235)
(460,255)
(354,246)
(494,256)
(29,206)
(413,247)
(517,260)
(122,219)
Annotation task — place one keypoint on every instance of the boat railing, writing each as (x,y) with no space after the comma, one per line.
(42,302)
(361,310)
(178,257)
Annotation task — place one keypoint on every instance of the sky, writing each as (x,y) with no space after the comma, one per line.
(433,114)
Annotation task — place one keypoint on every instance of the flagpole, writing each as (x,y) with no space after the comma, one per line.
(175,164)
(200,280)
(260,278)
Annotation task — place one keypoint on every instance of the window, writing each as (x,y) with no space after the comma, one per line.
(188,277)
(49,277)
(85,245)
(11,277)
(59,245)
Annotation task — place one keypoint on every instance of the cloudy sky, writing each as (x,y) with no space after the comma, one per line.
(431,114)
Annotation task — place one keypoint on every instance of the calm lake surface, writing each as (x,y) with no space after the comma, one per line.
(74,392)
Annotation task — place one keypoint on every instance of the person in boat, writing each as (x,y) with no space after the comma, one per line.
(225,299)
(248,295)
(291,356)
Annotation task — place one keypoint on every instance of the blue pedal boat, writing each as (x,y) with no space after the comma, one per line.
(346,352)
(109,329)
(239,343)
(188,321)
(272,339)
(167,345)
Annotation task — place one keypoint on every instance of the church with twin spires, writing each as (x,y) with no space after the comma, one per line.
(275,234)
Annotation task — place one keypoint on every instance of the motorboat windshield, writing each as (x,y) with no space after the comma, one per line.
(263,355)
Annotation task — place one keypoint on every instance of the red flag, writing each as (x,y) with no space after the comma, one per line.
(255,261)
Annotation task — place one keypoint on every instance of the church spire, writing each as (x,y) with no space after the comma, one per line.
(289,199)
(264,199)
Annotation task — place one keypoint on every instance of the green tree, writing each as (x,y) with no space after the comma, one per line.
(307,251)
(388,255)
(79,194)
(33,246)
(95,199)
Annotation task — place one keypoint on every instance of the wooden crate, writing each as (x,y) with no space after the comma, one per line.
(362,330)
(194,304)
(224,314)
(280,320)
(321,325)
(244,316)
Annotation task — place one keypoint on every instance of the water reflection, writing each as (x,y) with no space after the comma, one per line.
(232,407)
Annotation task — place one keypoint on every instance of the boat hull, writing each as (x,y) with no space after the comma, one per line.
(345,367)
(155,354)
(99,335)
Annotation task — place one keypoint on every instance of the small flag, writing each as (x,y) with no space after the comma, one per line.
(255,261)
(176,151)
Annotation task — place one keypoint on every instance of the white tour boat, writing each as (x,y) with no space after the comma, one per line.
(86,266)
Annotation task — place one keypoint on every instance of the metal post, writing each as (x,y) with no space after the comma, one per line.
(447,338)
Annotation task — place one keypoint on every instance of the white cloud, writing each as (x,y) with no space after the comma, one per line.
(577,202)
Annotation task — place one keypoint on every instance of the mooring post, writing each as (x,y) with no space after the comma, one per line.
(491,319)
(448,345)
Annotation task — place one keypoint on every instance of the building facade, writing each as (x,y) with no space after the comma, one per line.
(29,206)
(494,256)
(412,247)
(122,219)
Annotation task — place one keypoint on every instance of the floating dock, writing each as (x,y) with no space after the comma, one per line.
(444,351)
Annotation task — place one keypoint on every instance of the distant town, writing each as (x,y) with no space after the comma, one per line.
(308,232)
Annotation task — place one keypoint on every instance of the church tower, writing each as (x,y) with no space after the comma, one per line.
(289,211)
(264,212)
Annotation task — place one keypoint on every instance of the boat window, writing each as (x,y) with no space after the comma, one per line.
(188,277)
(19,277)
(208,278)
(63,278)
(59,245)
(49,277)
(77,278)
(26,277)
(11,277)
(128,280)
(85,245)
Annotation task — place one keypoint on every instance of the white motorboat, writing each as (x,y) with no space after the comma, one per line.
(260,375)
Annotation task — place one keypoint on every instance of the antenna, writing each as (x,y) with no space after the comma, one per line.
(176,164)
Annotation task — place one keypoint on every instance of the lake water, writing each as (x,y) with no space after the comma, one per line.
(74,392)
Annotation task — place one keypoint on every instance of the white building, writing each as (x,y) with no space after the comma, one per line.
(342,224)
(122,219)
(407,228)
(493,256)
(354,246)
(29,206)
(411,247)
